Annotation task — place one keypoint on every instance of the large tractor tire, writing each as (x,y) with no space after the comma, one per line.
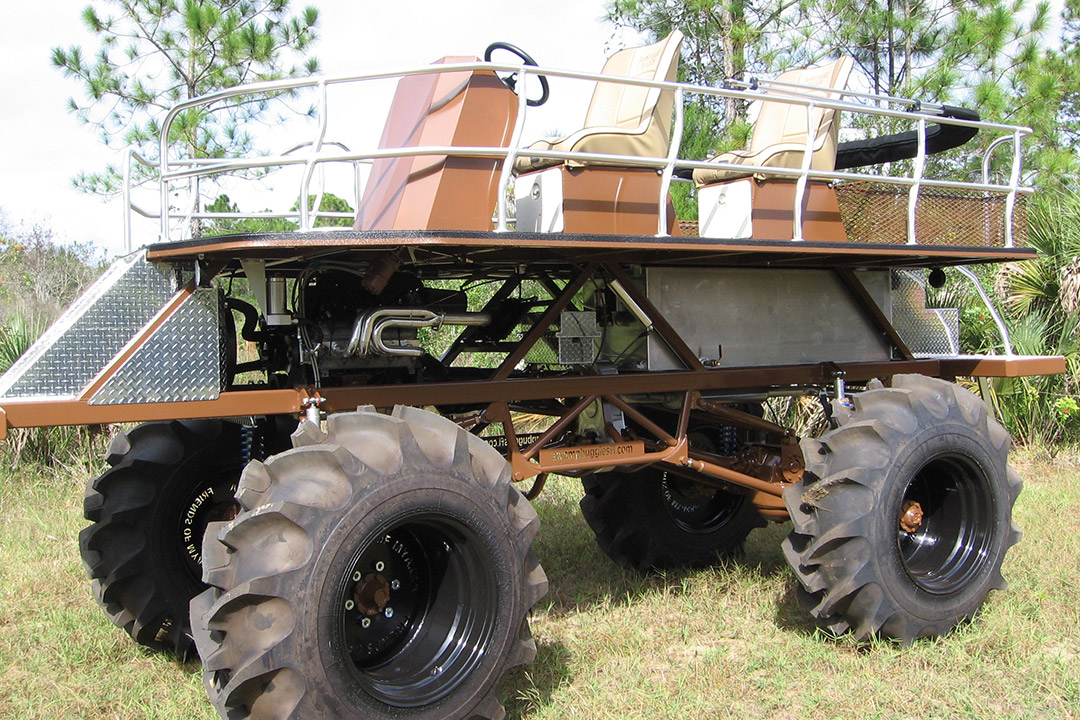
(904,514)
(382,570)
(652,519)
(148,511)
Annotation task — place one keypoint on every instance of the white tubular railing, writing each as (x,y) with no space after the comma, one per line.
(669,168)
(917,176)
(129,206)
(804,174)
(1006,342)
(172,171)
(309,168)
(507,172)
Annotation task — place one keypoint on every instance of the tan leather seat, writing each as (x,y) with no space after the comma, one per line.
(780,131)
(622,119)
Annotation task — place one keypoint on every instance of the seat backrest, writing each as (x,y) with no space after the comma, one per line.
(437,192)
(781,122)
(635,108)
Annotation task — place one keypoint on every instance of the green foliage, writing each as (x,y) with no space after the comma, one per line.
(1041,318)
(38,279)
(1039,296)
(989,55)
(16,336)
(1036,286)
(1051,106)
(722,39)
(242,225)
(153,54)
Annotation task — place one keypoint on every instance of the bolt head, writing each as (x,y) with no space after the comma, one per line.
(395,584)
(366,622)
(389,612)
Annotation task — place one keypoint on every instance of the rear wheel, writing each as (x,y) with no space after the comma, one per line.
(168,480)
(383,570)
(904,514)
(652,519)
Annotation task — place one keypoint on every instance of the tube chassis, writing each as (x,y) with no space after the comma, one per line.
(564,262)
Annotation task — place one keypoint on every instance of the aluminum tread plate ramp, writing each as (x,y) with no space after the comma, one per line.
(180,362)
(928,332)
(92,331)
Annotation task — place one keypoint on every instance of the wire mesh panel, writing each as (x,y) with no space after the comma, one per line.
(877,213)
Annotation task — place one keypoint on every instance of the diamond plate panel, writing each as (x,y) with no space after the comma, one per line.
(91,331)
(577,334)
(927,331)
(181,361)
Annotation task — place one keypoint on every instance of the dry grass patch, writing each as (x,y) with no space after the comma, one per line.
(733,642)
(725,642)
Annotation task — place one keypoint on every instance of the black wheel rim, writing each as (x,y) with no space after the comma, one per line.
(418,610)
(951,543)
(697,508)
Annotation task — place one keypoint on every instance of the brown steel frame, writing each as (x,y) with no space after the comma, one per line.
(499,391)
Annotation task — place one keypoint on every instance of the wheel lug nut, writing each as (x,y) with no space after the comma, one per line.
(380,566)
(395,584)
(349,604)
(389,612)
(366,622)
(356,576)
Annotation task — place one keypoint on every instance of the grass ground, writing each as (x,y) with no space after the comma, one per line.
(728,642)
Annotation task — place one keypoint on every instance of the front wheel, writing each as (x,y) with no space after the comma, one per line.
(381,571)
(904,514)
(148,512)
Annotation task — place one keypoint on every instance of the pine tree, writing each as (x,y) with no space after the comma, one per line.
(156,53)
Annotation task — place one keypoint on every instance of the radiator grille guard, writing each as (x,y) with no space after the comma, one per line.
(101,323)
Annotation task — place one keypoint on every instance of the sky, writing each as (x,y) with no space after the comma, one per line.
(44,145)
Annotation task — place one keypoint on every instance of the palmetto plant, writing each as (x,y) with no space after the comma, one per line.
(1050,283)
(1042,302)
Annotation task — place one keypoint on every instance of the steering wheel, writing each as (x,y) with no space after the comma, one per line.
(511,80)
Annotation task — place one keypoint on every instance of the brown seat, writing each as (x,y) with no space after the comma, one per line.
(439,192)
(781,128)
(622,119)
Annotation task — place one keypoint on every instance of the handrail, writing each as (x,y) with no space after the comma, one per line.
(804,175)
(304,188)
(511,156)
(1006,342)
(669,169)
(309,169)
(172,170)
(917,176)
(129,155)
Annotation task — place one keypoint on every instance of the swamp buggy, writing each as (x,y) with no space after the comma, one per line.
(345,500)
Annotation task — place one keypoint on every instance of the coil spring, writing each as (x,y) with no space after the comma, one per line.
(248,444)
(727,441)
